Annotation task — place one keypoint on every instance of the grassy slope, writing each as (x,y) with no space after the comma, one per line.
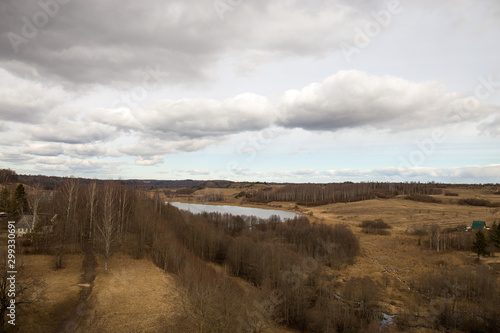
(137,296)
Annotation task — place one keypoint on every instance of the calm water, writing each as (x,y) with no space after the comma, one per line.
(235,210)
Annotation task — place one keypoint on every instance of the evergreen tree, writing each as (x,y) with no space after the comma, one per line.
(480,244)
(5,203)
(495,235)
(20,201)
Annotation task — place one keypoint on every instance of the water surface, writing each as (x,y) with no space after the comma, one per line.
(234,210)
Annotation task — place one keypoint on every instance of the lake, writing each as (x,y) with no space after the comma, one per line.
(234,210)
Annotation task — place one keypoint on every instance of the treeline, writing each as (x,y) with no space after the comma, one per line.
(441,239)
(53,182)
(462,298)
(13,200)
(320,194)
(8,176)
(456,238)
(80,213)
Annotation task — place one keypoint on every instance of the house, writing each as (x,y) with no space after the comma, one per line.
(25,225)
(478,225)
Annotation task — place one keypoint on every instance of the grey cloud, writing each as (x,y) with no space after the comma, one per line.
(149,160)
(196,118)
(14,157)
(305,172)
(72,132)
(87,42)
(473,173)
(118,40)
(25,101)
(197,172)
(86,151)
(355,99)
(71,150)
(51,160)
(150,147)
(44,149)
(56,165)
(492,127)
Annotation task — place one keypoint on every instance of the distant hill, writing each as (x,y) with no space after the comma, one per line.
(53,182)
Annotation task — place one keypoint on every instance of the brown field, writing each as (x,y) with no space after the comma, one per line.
(136,296)
(56,296)
(396,260)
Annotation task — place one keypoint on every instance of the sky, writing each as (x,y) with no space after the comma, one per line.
(275,91)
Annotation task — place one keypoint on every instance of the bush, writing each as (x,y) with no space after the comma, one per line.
(377,227)
(450,194)
(186,191)
(478,202)
(419,231)
(313,203)
(332,244)
(422,198)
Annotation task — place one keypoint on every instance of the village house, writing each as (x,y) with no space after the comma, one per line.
(26,225)
(477,225)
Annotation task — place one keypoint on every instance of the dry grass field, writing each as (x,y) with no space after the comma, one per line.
(133,296)
(137,296)
(397,260)
(56,295)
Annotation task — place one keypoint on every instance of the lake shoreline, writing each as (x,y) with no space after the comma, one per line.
(230,203)
(260,212)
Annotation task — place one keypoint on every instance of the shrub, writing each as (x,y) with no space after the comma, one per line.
(450,194)
(422,198)
(377,227)
(478,202)
(186,191)
(419,231)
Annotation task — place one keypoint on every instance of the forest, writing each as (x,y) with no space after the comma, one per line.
(244,274)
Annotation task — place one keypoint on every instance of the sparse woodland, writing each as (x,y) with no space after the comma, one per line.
(244,274)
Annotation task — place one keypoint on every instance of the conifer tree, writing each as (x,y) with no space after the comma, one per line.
(480,244)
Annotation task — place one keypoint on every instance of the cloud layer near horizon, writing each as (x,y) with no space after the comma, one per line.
(348,99)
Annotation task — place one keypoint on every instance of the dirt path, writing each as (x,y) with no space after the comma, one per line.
(83,309)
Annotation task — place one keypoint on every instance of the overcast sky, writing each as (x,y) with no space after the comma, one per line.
(286,91)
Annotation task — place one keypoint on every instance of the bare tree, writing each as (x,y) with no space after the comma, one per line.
(8,176)
(68,203)
(109,222)
(35,194)
(157,200)
(124,209)
(92,208)
(22,291)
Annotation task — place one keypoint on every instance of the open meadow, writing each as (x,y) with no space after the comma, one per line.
(414,269)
